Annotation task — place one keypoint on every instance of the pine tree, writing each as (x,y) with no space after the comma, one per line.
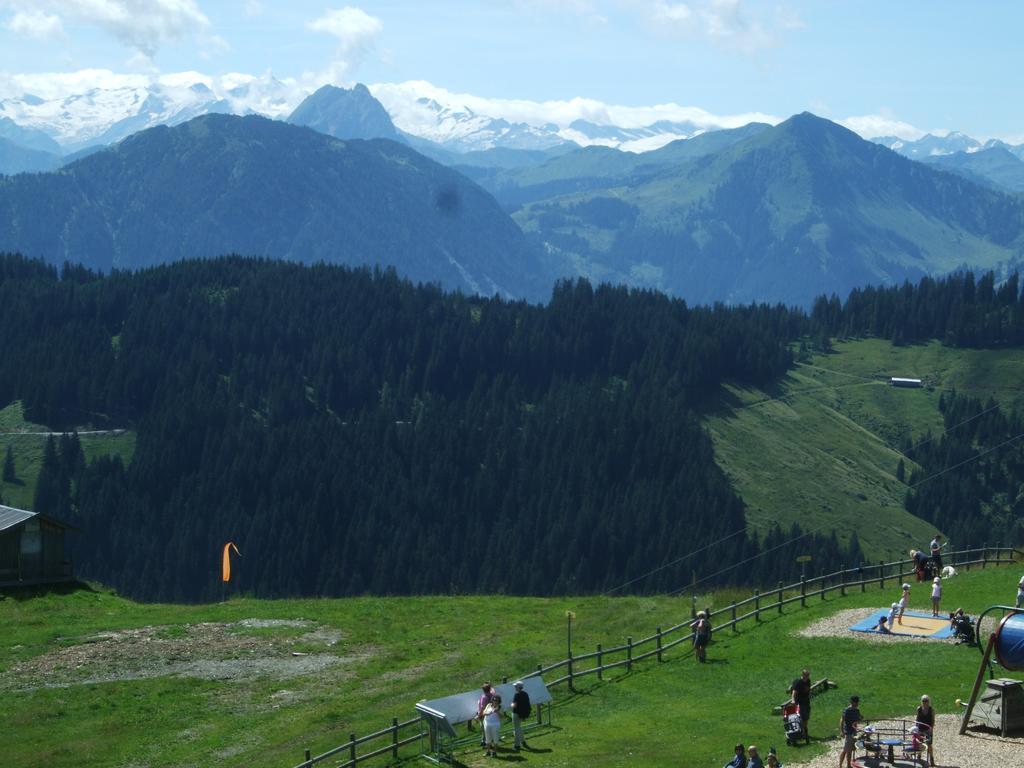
(10,476)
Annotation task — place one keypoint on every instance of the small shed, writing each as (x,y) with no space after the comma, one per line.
(898,381)
(32,549)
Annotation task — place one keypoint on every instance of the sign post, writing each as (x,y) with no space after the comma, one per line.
(803,560)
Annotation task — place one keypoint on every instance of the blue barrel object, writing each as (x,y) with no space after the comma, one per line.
(1009,645)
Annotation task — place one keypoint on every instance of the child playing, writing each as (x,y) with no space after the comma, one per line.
(936,595)
(904,601)
(883,625)
(892,615)
(772,761)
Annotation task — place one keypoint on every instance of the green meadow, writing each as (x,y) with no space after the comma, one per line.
(80,692)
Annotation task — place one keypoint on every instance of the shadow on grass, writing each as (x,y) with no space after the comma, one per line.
(33,591)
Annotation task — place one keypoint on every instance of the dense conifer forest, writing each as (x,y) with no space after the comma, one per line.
(355,433)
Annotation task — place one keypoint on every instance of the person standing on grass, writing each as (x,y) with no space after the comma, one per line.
(1020,592)
(936,547)
(848,728)
(925,719)
(520,711)
(701,635)
(481,704)
(903,603)
(936,595)
(492,725)
(800,690)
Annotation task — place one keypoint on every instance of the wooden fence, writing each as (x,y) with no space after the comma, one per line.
(601,660)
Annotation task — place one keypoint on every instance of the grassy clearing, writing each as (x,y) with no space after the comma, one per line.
(405,649)
(822,449)
(28,448)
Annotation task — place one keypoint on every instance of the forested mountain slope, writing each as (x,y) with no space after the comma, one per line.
(353,432)
(220,184)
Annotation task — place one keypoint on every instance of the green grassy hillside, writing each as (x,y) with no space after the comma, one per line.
(822,450)
(28,442)
(92,679)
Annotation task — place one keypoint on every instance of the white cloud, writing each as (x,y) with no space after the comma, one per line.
(872,126)
(36,24)
(253,8)
(726,24)
(401,99)
(356,32)
(143,25)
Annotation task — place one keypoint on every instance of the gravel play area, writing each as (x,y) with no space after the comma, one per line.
(975,749)
(839,623)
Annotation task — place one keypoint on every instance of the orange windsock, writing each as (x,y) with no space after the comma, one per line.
(226,567)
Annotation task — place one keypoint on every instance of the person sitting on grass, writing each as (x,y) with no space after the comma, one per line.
(772,761)
(739,760)
(755,759)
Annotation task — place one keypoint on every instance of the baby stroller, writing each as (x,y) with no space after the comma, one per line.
(792,723)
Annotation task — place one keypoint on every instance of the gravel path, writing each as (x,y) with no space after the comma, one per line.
(975,749)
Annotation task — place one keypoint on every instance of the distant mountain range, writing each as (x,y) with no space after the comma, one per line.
(779,213)
(222,184)
(760,213)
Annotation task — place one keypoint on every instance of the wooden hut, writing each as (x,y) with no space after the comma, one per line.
(32,548)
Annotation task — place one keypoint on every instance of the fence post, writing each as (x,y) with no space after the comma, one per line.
(600,672)
(540,721)
(967,563)
(821,590)
(629,654)
(860,577)
(881,574)
(504,681)
(984,555)
(757,605)
(352,748)
(803,592)
(309,756)
(780,598)
(571,688)
(394,737)
(659,643)
(842,579)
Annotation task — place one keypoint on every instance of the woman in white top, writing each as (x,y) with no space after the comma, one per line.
(936,595)
(492,725)
(1020,592)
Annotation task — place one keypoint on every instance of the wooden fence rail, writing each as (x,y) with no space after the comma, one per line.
(840,581)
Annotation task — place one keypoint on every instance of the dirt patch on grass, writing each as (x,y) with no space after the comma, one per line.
(210,651)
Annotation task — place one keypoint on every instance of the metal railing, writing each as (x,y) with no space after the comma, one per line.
(633,652)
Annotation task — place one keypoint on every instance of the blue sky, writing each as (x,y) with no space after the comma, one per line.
(931,65)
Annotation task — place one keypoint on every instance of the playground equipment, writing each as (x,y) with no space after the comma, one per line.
(892,745)
(1001,705)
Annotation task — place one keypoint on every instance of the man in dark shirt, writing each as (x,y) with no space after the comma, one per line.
(520,711)
(800,690)
(848,728)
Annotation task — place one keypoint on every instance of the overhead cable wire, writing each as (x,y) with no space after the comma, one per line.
(676,561)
